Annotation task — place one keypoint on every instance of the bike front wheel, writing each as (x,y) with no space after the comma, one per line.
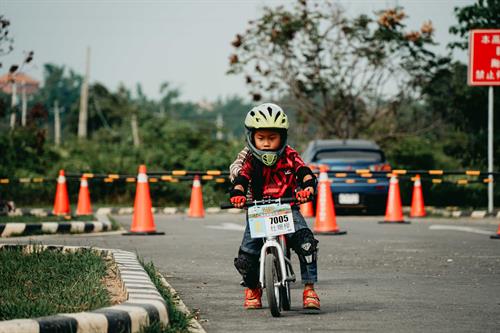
(272,280)
(285,290)
(285,296)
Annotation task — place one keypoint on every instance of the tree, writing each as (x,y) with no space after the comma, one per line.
(341,74)
(60,87)
(484,14)
(233,111)
(5,40)
(6,46)
(461,107)
(169,98)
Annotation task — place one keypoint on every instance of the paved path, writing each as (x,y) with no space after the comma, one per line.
(422,277)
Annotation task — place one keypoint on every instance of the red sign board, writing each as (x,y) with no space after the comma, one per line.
(484,57)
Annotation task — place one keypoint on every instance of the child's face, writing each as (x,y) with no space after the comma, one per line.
(267,139)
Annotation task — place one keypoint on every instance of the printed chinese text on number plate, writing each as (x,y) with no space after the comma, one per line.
(270,220)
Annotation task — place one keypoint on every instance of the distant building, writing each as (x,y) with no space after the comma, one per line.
(21,80)
(205,105)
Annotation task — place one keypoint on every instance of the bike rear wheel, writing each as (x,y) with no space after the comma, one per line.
(273,287)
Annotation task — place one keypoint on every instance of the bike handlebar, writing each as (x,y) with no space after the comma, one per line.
(226,205)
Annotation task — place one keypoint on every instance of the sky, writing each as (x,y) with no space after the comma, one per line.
(183,42)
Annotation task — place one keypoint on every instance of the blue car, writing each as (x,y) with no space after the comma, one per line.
(353,192)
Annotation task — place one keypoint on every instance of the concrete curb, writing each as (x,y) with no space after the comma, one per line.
(164,210)
(143,306)
(130,211)
(453,212)
(194,325)
(24,229)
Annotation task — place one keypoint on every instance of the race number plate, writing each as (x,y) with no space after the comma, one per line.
(270,220)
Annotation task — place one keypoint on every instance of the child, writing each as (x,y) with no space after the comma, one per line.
(271,168)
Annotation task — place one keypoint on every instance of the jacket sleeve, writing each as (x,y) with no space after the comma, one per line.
(296,160)
(244,176)
(302,170)
(235,167)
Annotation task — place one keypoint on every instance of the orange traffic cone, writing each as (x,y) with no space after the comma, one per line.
(497,236)
(325,223)
(143,222)
(394,211)
(61,202)
(307,209)
(84,206)
(196,204)
(417,200)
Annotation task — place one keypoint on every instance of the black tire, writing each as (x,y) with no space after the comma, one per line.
(285,290)
(271,278)
(285,296)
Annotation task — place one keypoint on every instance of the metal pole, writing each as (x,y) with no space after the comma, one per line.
(83,116)
(135,130)
(57,124)
(13,105)
(24,104)
(219,124)
(490,149)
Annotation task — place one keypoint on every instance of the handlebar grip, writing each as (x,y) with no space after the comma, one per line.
(226,205)
(288,200)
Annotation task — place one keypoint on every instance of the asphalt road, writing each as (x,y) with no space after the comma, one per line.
(434,275)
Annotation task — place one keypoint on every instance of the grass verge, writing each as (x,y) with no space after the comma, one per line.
(72,284)
(179,322)
(115,225)
(50,218)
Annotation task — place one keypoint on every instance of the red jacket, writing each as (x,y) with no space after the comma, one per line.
(279,180)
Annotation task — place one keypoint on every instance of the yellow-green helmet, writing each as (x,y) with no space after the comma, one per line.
(266,116)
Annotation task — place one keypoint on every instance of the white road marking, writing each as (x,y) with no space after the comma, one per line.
(227,226)
(457,228)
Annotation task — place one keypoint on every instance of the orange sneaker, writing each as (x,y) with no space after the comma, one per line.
(253,298)
(311,299)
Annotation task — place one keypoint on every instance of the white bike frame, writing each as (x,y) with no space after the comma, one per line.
(270,243)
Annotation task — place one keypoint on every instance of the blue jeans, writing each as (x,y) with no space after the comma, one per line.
(308,272)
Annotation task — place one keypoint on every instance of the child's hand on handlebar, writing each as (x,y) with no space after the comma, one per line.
(238,201)
(304,195)
(238,198)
